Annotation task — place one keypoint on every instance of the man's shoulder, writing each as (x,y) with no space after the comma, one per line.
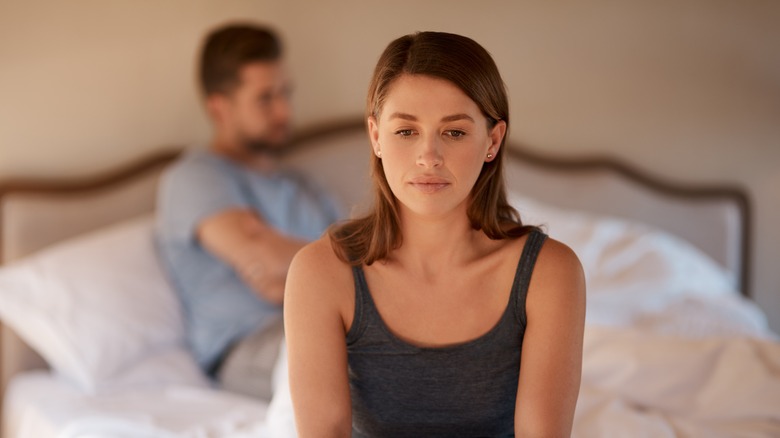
(197,165)
(195,159)
(197,185)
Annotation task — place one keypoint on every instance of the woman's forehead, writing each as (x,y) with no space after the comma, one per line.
(426,96)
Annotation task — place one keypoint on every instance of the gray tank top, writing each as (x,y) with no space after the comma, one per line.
(464,390)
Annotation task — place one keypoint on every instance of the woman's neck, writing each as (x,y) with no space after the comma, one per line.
(433,245)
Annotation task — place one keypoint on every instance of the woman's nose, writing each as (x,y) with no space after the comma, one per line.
(430,153)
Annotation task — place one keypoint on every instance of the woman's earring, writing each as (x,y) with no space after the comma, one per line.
(379,154)
(490,156)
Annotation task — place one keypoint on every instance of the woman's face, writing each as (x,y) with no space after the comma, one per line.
(432,140)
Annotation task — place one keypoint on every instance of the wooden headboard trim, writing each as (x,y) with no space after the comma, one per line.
(81,185)
(693,193)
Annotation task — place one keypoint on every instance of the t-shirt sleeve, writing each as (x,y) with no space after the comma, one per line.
(334,209)
(192,190)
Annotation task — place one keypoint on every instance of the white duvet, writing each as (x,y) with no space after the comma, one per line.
(671,350)
(634,384)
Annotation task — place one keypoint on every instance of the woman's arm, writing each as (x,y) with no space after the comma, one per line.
(319,289)
(551,363)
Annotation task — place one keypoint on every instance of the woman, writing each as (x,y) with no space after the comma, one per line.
(439,313)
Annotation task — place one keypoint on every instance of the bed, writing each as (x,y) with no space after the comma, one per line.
(92,339)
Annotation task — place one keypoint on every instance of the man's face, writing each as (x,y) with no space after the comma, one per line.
(257,112)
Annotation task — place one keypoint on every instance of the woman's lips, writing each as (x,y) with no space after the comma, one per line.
(429,184)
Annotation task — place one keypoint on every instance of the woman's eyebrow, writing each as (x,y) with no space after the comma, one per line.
(451,118)
(456,117)
(403,116)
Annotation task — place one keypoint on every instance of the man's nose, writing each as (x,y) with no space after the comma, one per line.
(282,108)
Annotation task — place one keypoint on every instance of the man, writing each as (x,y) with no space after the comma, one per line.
(230,219)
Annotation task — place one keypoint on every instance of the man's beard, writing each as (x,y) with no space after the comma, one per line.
(262,146)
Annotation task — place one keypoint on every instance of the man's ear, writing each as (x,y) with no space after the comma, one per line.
(216,107)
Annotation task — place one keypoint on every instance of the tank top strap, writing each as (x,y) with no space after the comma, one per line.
(525,267)
(363,305)
(365,309)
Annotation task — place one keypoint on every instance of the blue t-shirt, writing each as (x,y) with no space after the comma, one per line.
(219,307)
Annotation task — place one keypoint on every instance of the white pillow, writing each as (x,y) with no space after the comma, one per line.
(99,309)
(622,255)
(638,275)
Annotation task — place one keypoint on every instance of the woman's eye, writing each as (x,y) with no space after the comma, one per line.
(404,132)
(454,133)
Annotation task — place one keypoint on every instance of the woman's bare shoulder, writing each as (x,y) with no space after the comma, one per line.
(559,269)
(319,252)
(317,268)
(559,253)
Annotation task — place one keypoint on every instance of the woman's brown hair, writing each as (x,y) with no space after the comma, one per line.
(466,64)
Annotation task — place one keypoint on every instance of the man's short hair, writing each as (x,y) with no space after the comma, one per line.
(230,47)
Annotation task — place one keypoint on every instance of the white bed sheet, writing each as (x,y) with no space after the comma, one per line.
(38,404)
(634,383)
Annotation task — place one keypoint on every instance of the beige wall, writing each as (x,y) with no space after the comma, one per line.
(685,89)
